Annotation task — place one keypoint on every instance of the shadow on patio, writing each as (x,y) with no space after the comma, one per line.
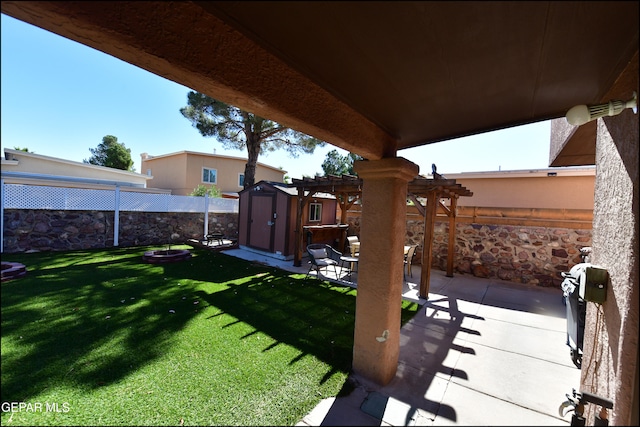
(478,352)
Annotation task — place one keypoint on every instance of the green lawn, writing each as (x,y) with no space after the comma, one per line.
(99,337)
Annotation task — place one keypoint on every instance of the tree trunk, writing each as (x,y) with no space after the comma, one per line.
(253,150)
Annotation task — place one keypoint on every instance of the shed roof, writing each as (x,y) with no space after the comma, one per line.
(285,188)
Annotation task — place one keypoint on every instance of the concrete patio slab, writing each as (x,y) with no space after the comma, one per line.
(478,352)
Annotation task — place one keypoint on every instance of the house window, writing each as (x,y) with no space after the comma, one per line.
(315,212)
(241,180)
(209,175)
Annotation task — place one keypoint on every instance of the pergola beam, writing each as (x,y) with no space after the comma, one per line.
(427,247)
(451,249)
(302,200)
(349,190)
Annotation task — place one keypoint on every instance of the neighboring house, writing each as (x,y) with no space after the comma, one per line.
(21,167)
(548,188)
(552,188)
(183,171)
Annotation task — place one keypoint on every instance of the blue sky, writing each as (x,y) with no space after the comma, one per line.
(60,98)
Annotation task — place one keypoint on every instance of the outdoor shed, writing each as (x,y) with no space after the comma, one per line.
(268,213)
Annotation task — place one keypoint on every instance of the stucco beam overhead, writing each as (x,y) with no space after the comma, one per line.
(370,77)
(179,42)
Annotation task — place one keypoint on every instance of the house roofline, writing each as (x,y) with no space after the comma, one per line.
(39,177)
(524,173)
(146,157)
(12,152)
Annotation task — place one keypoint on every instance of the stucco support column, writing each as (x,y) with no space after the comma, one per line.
(380,270)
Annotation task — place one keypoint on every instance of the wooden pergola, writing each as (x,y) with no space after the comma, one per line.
(348,190)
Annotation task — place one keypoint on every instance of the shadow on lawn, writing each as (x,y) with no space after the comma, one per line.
(84,324)
(88,319)
(307,315)
(311,315)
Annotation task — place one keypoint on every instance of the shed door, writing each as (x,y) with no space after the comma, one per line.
(261,222)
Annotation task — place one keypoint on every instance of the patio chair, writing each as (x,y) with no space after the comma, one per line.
(408,259)
(322,256)
(353,245)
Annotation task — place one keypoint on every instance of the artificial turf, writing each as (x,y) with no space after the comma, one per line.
(100,337)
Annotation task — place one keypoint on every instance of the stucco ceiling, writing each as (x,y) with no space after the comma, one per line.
(370,77)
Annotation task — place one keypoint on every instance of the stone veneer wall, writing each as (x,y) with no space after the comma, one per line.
(44,230)
(518,253)
(521,254)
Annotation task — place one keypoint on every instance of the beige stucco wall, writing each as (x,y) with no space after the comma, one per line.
(610,360)
(167,172)
(569,188)
(21,161)
(182,171)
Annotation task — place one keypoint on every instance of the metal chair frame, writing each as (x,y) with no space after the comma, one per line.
(321,256)
(408,259)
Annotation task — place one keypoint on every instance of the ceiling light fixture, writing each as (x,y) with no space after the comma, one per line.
(581,114)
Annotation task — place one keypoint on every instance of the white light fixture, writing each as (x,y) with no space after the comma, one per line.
(581,114)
